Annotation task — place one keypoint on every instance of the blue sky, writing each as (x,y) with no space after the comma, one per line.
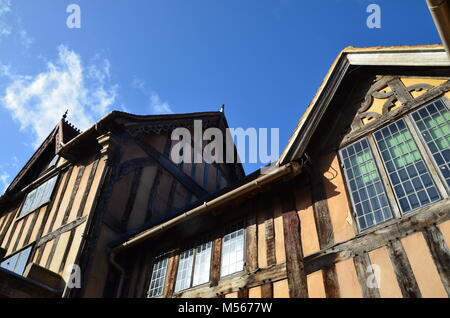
(263,59)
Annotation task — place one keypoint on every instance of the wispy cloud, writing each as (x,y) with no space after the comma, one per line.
(10,26)
(4,181)
(5,6)
(156,104)
(37,102)
(5,28)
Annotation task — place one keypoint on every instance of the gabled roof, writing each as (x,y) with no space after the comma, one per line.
(104,125)
(346,61)
(62,133)
(88,138)
(349,59)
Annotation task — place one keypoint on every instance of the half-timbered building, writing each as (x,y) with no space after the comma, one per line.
(356,206)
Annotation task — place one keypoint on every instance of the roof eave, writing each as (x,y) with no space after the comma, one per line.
(424,55)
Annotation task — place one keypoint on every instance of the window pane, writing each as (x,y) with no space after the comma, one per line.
(366,189)
(17,262)
(10,263)
(433,122)
(22,261)
(48,190)
(202,264)
(39,196)
(156,287)
(53,162)
(410,179)
(232,253)
(29,201)
(184,273)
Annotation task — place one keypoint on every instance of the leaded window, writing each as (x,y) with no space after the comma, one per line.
(366,188)
(433,123)
(39,196)
(407,152)
(194,267)
(17,262)
(407,171)
(158,279)
(232,252)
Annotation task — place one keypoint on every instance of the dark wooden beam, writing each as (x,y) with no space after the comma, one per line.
(440,253)
(216,256)
(331,282)
(402,268)
(321,210)
(73,195)
(251,240)
(298,287)
(172,168)
(365,276)
(171,276)
(19,235)
(132,197)
(88,188)
(63,229)
(61,197)
(31,228)
(267,290)
(7,225)
(67,250)
(266,209)
(243,293)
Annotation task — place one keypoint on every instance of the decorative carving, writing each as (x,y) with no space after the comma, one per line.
(167,126)
(419,87)
(108,144)
(393,91)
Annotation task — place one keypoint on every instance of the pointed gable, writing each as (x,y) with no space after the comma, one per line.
(44,155)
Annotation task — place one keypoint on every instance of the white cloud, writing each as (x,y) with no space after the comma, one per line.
(38,102)
(157,106)
(25,40)
(5,6)
(4,181)
(13,27)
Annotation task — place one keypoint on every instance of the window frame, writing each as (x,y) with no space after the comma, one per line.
(423,158)
(193,266)
(381,176)
(432,167)
(435,165)
(161,258)
(235,227)
(22,214)
(23,249)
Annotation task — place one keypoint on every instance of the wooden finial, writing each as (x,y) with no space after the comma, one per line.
(222,108)
(65,115)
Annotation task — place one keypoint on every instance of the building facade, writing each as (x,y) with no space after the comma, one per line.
(356,206)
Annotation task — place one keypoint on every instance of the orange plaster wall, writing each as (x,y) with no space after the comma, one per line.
(281,289)
(387,281)
(316,289)
(338,203)
(349,286)
(310,240)
(422,264)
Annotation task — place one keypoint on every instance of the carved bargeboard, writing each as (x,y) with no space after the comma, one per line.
(389,93)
